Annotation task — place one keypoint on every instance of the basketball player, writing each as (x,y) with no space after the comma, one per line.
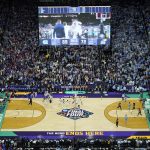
(129,106)
(133,108)
(67,30)
(74,99)
(45,95)
(12,96)
(77,101)
(141,95)
(80,101)
(139,112)
(50,97)
(62,101)
(117,122)
(30,98)
(125,119)
(59,31)
(119,106)
(76,28)
(123,97)
(35,94)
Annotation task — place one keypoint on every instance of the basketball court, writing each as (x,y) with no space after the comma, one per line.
(93,114)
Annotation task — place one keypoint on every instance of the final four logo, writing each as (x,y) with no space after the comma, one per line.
(75,113)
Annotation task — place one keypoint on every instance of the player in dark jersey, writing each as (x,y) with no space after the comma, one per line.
(30,98)
(59,31)
(119,106)
(133,106)
(139,112)
(117,122)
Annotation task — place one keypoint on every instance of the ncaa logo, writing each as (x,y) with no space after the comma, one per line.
(75,113)
(45,42)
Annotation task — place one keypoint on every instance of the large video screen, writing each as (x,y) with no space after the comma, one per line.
(89,25)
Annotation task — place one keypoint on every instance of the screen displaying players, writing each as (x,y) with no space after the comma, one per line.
(74,25)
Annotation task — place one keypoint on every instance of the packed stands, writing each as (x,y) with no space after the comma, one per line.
(76,144)
(125,66)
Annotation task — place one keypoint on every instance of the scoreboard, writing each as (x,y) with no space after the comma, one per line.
(68,9)
(83,25)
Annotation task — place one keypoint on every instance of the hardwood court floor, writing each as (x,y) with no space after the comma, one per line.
(42,116)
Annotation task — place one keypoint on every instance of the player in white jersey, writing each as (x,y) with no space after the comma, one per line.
(34,94)
(77,101)
(76,28)
(48,96)
(67,30)
(74,99)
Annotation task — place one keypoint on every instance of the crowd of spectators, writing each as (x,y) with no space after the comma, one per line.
(131,58)
(3,14)
(72,144)
(23,63)
(146,11)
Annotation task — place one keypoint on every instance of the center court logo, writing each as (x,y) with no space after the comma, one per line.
(75,113)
